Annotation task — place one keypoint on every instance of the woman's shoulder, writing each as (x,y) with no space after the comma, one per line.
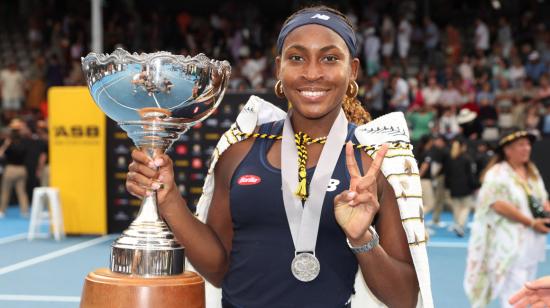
(498,173)
(235,154)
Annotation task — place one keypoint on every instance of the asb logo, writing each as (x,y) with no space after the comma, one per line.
(249,179)
(320,16)
(76,131)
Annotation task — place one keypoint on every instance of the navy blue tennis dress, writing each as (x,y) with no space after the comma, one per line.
(259,274)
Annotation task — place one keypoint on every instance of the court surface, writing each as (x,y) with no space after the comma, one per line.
(45,273)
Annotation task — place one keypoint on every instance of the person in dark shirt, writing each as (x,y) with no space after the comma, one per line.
(425,159)
(438,157)
(460,180)
(14,150)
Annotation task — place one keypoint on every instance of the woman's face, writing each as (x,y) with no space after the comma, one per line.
(315,68)
(519,151)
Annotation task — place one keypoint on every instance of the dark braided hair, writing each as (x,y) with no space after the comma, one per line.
(353,109)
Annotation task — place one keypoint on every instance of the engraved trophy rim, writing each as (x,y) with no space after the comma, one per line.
(122,56)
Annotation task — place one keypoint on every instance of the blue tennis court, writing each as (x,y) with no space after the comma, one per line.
(45,273)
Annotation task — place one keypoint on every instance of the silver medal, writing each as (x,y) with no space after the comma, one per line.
(305,266)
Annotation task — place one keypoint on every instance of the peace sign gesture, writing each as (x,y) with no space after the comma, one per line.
(355,208)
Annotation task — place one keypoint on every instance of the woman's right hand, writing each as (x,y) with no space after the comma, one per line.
(539,225)
(146,175)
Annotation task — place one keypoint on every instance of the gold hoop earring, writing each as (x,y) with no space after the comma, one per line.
(352,90)
(279,89)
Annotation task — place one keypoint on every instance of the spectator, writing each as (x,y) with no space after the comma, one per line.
(470,125)
(374,96)
(253,68)
(448,123)
(544,126)
(404,33)
(504,100)
(75,77)
(371,50)
(439,156)
(465,69)
(499,69)
(415,92)
(454,44)
(459,179)
(482,156)
(421,122)
(450,97)
(485,96)
(516,72)
(37,86)
(543,94)
(535,68)
(431,41)
(400,98)
(527,90)
(431,93)
(519,112)
(424,169)
(388,39)
(533,120)
(14,150)
(481,37)
(506,242)
(54,73)
(12,87)
(504,37)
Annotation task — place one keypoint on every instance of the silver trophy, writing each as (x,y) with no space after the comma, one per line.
(155,98)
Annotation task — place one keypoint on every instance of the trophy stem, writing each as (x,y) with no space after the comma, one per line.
(148,247)
(148,212)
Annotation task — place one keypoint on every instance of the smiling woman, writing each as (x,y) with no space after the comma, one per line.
(291,216)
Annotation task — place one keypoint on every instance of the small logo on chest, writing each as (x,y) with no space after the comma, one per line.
(249,179)
(333,184)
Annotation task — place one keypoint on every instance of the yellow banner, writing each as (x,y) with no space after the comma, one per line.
(77,130)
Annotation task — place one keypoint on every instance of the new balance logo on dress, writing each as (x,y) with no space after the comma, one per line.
(333,184)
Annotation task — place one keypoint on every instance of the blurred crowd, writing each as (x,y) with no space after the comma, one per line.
(462,80)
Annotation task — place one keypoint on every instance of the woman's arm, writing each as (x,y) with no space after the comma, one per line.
(509,211)
(207,246)
(388,269)
(4,146)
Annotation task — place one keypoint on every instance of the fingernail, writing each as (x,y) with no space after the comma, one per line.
(351,194)
(158,162)
(352,202)
(151,164)
(155,185)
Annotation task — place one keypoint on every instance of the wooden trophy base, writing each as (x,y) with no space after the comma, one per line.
(106,289)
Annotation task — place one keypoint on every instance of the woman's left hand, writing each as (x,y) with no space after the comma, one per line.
(355,208)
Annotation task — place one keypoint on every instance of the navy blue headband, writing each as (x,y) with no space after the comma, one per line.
(323,18)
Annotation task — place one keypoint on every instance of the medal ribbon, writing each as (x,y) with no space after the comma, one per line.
(304,220)
(302,139)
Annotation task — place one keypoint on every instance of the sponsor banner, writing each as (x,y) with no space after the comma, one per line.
(77,158)
(190,154)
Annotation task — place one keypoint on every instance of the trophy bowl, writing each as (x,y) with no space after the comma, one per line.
(155,98)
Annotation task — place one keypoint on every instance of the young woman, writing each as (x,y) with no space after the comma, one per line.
(252,244)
